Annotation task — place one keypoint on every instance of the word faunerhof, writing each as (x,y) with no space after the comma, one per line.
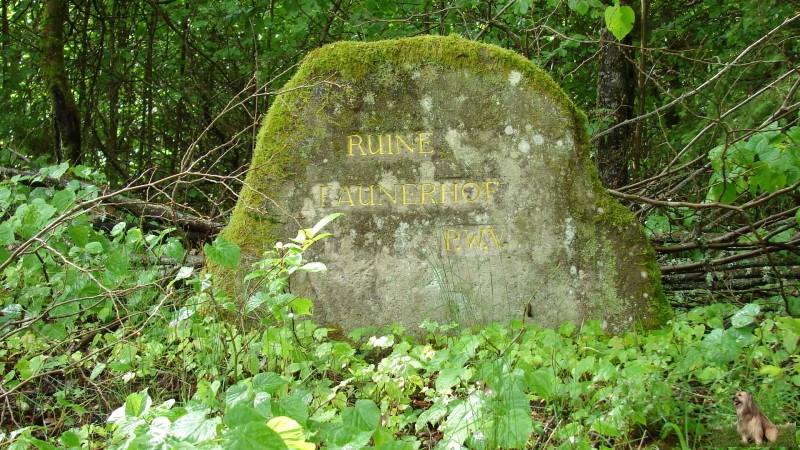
(428,193)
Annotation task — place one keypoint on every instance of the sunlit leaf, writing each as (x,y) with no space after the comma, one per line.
(301,306)
(619,20)
(291,432)
(313,267)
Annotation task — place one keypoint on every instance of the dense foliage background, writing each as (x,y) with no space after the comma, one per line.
(126,132)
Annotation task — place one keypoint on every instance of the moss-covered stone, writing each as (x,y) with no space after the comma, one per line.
(469,196)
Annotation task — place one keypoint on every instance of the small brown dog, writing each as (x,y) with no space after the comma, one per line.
(752,422)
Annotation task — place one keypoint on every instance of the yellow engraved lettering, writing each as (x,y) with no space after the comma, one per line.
(474,240)
(424,143)
(451,236)
(399,141)
(389,144)
(426,190)
(454,193)
(392,197)
(408,194)
(371,199)
(345,197)
(355,140)
(379,138)
(470,191)
(497,240)
(324,194)
(489,190)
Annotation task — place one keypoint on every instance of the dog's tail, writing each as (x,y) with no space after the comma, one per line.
(771,432)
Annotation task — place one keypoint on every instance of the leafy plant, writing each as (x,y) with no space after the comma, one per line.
(169,368)
(765,163)
(619,20)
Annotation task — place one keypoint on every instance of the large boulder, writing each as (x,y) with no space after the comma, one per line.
(468,193)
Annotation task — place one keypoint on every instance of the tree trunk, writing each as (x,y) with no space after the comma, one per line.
(615,93)
(66,123)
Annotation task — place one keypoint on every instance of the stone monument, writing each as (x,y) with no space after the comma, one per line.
(468,193)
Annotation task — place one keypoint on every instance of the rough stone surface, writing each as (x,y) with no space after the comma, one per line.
(469,197)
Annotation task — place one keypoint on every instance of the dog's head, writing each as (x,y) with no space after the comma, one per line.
(742,400)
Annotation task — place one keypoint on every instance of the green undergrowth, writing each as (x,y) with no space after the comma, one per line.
(104,348)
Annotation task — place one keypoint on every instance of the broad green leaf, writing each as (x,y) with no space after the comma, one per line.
(137,403)
(159,430)
(79,234)
(184,272)
(55,171)
(432,415)
(619,20)
(239,394)
(383,439)
(252,436)
(223,252)
(605,428)
(255,300)
(579,6)
(448,378)
(514,428)
(365,416)
(789,323)
(174,249)
(542,382)
(711,374)
(118,228)
(291,432)
(6,234)
(63,200)
(54,331)
(94,248)
(745,316)
(637,368)
(70,439)
(5,196)
(339,436)
(723,192)
(118,263)
(301,306)
(463,420)
(522,6)
(570,431)
(294,407)
(268,382)
(241,414)
(40,444)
